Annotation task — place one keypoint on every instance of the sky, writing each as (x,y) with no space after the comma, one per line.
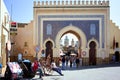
(70,37)
(22,10)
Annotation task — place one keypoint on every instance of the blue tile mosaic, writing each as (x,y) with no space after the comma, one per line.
(84,25)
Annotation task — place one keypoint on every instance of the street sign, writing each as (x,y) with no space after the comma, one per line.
(37,48)
(19,57)
(13,24)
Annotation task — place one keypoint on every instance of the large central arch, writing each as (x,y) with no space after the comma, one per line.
(74,29)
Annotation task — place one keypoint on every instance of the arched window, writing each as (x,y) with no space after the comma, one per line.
(92,29)
(49,29)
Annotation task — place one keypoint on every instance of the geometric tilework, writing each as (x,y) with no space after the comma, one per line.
(82,24)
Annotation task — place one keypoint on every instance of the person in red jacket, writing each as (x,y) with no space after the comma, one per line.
(36,66)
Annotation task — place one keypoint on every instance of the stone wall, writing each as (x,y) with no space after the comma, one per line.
(70,3)
(15,58)
(99,61)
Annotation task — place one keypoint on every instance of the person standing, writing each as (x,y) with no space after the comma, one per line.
(74,61)
(0,68)
(63,62)
(71,61)
(77,62)
(67,60)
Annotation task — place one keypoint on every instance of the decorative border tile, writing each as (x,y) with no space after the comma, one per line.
(74,16)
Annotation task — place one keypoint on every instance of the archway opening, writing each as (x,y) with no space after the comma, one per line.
(92,53)
(70,43)
(49,50)
(117,56)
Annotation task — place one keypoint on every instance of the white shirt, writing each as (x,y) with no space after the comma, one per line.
(43,55)
(53,65)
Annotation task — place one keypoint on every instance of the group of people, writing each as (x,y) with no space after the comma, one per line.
(38,66)
(73,61)
(67,61)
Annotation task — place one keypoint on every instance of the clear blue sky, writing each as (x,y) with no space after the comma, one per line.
(22,10)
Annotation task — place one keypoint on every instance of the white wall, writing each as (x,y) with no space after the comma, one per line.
(0,28)
(4,23)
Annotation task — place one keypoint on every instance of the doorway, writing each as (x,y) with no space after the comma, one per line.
(117,56)
(49,50)
(92,53)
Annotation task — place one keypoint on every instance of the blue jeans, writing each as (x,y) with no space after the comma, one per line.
(0,65)
(40,72)
(63,65)
(58,70)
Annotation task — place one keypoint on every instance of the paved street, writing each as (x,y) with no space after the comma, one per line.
(103,72)
(106,72)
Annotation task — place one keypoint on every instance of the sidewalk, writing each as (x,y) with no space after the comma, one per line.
(99,72)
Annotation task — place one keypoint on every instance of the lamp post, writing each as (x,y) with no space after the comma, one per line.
(37,49)
(8,42)
(8,48)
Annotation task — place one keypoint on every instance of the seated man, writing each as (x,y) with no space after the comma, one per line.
(55,68)
(36,66)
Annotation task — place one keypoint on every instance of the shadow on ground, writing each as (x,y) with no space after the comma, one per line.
(93,67)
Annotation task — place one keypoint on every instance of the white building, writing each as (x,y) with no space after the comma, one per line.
(4,31)
(66,41)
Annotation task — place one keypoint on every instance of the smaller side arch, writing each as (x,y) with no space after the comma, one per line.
(48,47)
(92,53)
(49,39)
(92,49)
(117,56)
(93,39)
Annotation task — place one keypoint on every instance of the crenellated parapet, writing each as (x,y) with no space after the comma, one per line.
(59,3)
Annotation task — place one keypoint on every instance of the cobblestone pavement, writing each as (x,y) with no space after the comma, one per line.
(101,72)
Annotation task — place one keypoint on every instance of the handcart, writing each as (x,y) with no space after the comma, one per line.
(13,71)
(26,67)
